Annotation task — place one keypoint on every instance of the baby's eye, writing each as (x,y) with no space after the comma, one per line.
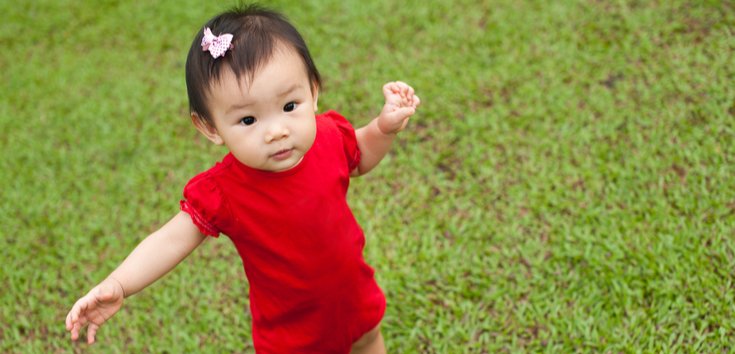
(289,107)
(249,120)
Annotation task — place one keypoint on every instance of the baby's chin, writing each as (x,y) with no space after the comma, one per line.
(282,164)
(290,165)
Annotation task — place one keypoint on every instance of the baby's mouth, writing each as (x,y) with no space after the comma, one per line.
(282,154)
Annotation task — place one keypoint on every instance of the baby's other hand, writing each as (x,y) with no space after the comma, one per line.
(101,303)
(400,104)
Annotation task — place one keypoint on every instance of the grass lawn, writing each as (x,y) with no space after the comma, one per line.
(567,186)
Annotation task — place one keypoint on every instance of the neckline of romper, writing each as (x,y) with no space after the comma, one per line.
(230,159)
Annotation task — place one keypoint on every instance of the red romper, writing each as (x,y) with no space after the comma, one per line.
(310,288)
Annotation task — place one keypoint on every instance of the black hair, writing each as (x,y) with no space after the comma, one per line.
(257,32)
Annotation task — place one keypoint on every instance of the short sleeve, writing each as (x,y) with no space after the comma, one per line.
(203,201)
(349,139)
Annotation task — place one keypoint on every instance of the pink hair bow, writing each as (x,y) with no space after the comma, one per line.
(216,45)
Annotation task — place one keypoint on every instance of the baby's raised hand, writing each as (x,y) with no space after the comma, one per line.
(103,301)
(400,104)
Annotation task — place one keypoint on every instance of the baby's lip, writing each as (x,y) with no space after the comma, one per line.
(282,154)
(282,151)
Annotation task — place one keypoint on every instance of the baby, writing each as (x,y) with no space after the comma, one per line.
(279,194)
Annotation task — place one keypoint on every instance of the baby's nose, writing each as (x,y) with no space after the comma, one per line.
(278,132)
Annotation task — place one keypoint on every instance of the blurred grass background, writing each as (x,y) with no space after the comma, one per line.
(567,185)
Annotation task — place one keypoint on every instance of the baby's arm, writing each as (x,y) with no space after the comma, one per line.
(376,138)
(155,256)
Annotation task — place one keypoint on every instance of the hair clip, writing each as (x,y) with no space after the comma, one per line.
(216,45)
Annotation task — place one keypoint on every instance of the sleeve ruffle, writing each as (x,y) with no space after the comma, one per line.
(204,203)
(349,139)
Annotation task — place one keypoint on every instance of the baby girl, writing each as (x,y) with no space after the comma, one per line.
(279,194)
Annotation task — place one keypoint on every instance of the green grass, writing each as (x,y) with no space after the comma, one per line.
(567,186)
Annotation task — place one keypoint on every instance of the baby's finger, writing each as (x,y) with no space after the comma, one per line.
(75,331)
(389,89)
(91,332)
(80,323)
(399,88)
(403,113)
(416,101)
(402,85)
(405,123)
(68,321)
(78,310)
(73,315)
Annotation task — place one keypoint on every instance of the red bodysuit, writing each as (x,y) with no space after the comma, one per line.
(310,288)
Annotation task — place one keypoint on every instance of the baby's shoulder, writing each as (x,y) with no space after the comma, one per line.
(205,200)
(332,123)
(331,118)
(208,180)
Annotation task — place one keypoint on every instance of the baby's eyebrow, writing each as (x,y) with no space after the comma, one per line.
(292,88)
(237,106)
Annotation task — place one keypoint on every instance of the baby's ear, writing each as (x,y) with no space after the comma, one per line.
(206,129)
(315,93)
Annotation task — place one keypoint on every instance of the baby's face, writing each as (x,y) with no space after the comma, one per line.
(267,124)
